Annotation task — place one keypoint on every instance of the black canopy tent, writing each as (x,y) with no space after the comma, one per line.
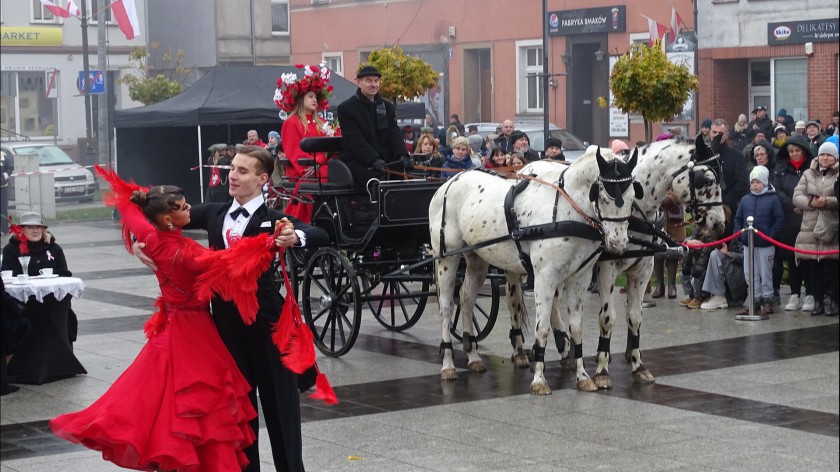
(161,143)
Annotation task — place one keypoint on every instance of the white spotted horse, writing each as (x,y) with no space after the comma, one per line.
(533,225)
(689,170)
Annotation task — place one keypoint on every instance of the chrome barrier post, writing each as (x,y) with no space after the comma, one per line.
(752,316)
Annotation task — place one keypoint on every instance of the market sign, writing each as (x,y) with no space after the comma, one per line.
(801,32)
(31,35)
(587,20)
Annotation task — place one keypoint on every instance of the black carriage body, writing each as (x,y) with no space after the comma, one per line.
(376,231)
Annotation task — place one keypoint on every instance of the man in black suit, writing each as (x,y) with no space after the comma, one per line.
(251,346)
(370,137)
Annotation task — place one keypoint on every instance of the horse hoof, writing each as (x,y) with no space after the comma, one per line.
(603,381)
(567,364)
(520,360)
(477,367)
(448,374)
(540,389)
(643,376)
(586,385)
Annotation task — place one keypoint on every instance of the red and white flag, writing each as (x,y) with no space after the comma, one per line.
(56,9)
(73,9)
(676,22)
(126,15)
(657,31)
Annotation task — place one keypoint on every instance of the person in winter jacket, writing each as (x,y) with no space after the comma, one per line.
(792,160)
(764,205)
(816,194)
(37,243)
(762,154)
(460,158)
(761,122)
(814,136)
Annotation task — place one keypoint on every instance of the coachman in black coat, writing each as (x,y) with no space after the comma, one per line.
(370,136)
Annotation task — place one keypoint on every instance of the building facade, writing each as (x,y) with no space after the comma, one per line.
(40,66)
(762,53)
(489,54)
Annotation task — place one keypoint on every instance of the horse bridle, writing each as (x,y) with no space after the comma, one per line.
(693,205)
(594,191)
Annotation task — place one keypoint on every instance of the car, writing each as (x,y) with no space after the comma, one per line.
(72,181)
(573,147)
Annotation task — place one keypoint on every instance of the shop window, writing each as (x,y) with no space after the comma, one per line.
(790,86)
(24,106)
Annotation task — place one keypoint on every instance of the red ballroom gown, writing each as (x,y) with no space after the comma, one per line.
(182,404)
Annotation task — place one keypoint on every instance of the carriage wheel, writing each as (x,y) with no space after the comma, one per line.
(330,301)
(394,308)
(486,308)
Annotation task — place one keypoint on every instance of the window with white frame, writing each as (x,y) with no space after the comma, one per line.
(529,83)
(27,102)
(40,13)
(334,62)
(280,16)
(92,12)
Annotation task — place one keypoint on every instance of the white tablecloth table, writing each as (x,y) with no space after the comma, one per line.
(39,287)
(46,354)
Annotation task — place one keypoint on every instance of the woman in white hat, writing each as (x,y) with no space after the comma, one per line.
(31,238)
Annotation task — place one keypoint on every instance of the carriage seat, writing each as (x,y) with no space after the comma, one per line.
(339,176)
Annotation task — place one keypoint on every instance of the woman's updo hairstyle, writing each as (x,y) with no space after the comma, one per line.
(158,201)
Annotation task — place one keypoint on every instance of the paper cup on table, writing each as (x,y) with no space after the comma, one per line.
(22,278)
(46,271)
(7,274)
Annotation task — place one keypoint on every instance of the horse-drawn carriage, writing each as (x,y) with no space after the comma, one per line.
(379,239)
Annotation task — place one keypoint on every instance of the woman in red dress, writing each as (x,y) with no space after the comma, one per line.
(302,100)
(182,404)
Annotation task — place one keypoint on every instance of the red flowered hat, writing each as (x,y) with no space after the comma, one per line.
(290,89)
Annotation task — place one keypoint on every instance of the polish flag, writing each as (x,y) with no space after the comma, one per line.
(73,9)
(676,22)
(55,9)
(657,31)
(126,15)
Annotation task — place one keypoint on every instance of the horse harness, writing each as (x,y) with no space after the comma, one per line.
(591,230)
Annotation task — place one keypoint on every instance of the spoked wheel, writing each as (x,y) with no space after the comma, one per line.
(330,301)
(486,308)
(396,304)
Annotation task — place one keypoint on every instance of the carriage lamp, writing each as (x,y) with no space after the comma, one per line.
(599,55)
(566,58)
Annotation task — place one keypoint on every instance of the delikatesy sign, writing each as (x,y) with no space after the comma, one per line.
(587,20)
(801,32)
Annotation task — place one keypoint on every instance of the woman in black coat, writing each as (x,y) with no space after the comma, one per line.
(792,160)
(40,247)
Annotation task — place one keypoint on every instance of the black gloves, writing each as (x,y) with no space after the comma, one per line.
(378,164)
(407,162)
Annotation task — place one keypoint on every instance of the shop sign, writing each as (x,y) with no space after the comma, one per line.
(31,35)
(587,21)
(801,32)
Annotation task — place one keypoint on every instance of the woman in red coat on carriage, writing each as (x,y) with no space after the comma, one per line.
(302,99)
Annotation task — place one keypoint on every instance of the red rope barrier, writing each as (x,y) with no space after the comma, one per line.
(791,248)
(713,243)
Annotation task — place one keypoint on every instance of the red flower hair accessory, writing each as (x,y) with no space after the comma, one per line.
(290,89)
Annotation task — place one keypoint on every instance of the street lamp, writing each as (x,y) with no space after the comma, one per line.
(566,58)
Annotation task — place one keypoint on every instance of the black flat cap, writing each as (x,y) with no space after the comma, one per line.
(366,71)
